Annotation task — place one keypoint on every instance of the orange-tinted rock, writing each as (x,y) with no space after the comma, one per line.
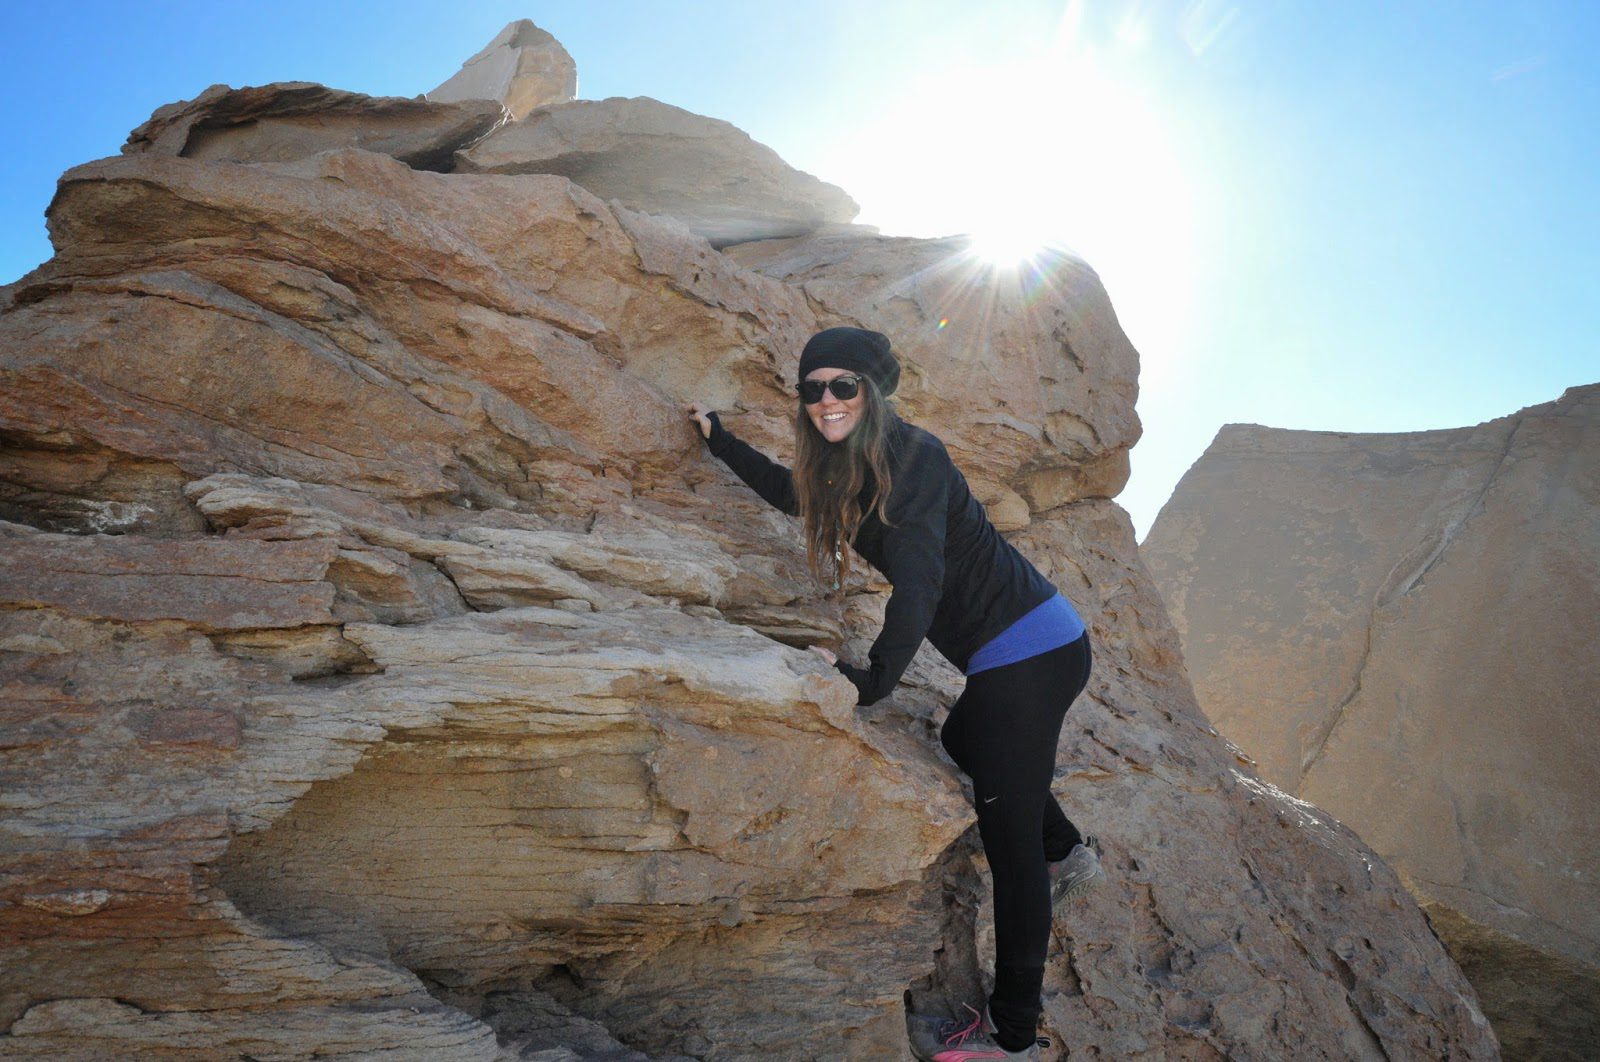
(195,727)
(210,584)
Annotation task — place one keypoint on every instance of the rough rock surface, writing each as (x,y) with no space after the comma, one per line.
(385,667)
(523,68)
(1401,629)
(659,159)
(293,119)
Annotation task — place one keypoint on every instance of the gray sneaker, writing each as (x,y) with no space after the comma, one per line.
(950,1040)
(1076,874)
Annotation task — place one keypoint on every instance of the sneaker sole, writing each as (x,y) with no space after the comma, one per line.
(1079,888)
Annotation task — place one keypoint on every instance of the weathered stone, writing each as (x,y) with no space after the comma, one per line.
(1401,628)
(84,1029)
(277,320)
(1542,1000)
(400,825)
(529,1022)
(295,119)
(640,558)
(660,159)
(61,482)
(210,584)
(191,726)
(523,68)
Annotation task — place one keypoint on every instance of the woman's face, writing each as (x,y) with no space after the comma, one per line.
(835,419)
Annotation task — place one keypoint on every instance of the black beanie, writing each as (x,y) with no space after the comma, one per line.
(856,349)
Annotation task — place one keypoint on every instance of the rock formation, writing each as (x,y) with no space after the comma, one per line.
(523,67)
(661,159)
(1401,629)
(295,119)
(386,667)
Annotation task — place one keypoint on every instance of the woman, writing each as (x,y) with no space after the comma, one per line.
(866,479)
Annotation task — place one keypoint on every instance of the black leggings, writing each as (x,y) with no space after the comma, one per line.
(1002,733)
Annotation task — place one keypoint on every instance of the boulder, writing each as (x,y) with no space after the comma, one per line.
(294,119)
(385,666)
(1401,629)
(522,68)
(660,159)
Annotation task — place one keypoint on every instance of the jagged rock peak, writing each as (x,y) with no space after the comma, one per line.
(523,67)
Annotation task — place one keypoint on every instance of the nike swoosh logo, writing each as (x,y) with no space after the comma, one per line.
(990,800)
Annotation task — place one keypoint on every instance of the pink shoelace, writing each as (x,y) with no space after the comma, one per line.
(955,1034)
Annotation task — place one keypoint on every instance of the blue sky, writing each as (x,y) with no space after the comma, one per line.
(1353,216)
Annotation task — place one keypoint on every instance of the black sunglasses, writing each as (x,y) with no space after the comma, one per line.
(844,388)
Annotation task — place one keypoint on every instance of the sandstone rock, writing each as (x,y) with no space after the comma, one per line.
(109,1028)
(210,585)
(1543,1000)
(275,314)
(1401,628)
(295,119)
(660,159)
(523,68)
(507,752)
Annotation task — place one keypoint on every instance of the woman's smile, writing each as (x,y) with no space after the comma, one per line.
(833,418)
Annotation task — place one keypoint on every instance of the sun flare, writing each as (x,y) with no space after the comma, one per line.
(1060,150)
(1007,244)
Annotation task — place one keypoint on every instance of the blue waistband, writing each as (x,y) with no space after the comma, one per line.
(1048,626)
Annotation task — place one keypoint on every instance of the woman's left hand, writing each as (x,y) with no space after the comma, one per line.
(824,653)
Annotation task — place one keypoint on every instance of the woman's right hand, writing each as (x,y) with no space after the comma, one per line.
(699,412)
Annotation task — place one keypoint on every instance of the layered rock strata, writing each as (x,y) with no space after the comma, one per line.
(1401,629)
(294,119)
(387,668)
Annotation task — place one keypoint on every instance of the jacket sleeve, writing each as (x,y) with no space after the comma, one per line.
(761,474)
(913,552)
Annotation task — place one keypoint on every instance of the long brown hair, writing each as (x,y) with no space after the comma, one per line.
(829,479)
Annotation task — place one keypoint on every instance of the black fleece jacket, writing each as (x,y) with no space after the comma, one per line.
(956,581)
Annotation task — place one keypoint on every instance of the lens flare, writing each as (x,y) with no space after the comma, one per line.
(1007,245)
(1083,158)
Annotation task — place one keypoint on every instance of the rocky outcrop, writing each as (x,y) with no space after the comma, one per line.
(295,119)
(646,155)
(523,68)
(387,668)
(659,159)
(1401,629)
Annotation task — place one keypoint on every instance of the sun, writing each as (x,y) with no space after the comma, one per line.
(1008,243)
(1061,150)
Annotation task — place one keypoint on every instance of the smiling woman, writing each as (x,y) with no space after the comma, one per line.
(867,483)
